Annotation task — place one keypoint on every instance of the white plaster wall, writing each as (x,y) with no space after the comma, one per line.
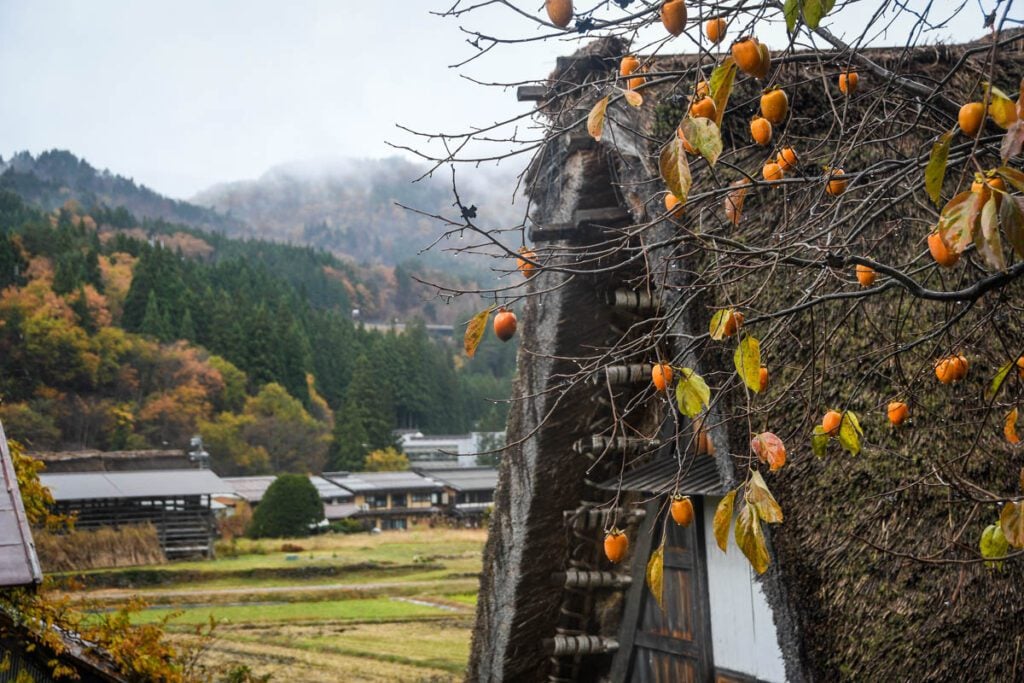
(742,630)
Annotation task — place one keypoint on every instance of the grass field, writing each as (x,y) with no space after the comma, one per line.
(396,606)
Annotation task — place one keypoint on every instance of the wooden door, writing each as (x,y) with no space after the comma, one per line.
(673,645)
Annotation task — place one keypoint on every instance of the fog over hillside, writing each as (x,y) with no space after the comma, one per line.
(350,206)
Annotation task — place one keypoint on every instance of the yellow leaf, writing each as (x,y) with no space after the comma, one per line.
(1010,427)
(720,324)
(1001,108)
(692,393)
(935,172)
(723,517)
(595,120)
(850,432)
(705,137)
(997,381)
(633,98)
(475,329)
(747,360)
(1011,519)
(762,499)
(656,573)
(720,85)
(675,169)
(993,545)
(750,539)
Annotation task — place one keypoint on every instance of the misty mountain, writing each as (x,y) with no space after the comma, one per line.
(54,177)
(350,206)
(346,208)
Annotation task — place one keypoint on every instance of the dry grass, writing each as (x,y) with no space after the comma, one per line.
(128,546)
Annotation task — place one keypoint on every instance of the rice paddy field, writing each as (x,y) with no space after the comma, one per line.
(396,606)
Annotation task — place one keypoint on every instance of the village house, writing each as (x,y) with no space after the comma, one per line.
(392,500)
(469,491)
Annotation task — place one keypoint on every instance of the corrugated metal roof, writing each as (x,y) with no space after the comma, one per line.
(146,484)
(700,478)
(468,478)
(19,565)
(250,489)
(328,489)
(369,482)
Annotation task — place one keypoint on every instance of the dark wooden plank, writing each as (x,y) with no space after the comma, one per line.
(634,597)
(681,648)
(531,93)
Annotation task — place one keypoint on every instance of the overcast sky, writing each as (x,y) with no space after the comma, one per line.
(185,93)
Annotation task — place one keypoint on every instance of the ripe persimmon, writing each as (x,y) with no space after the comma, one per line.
(673,16)
(705,446)
(761,130)
(836,184)
(504,324)
(673,205)
(897,412)
(616,545)
(848,82)
(971,118)
(690,149)
(682,510)
(951,369)
(628,65)
(771,171)
(866,275)
(775,105)
(732,324)
(661,376)
(764,378)
(636,82)
(942,254)
(525,267)
(559,12)
(787,159)
(751,57)
(831,422)
(1020,367)
(984,187)
(704,107)
(714,29)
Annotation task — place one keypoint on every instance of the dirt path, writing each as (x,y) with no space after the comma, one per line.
(199,594)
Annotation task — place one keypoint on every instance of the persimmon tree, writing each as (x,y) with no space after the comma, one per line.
(819,189)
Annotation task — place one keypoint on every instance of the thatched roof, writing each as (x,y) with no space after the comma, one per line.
(857,613)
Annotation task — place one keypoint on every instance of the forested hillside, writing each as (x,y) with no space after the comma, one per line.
(347,208)
(116,333)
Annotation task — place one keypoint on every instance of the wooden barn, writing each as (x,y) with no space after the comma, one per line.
(178,503)
(830,607)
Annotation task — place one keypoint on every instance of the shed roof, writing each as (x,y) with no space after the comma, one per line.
(251,489)
(147,484)
(370,482)
(468,478)
(662,475)
(19,565)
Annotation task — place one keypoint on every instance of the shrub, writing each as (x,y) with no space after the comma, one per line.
(348,526)
(289,508)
